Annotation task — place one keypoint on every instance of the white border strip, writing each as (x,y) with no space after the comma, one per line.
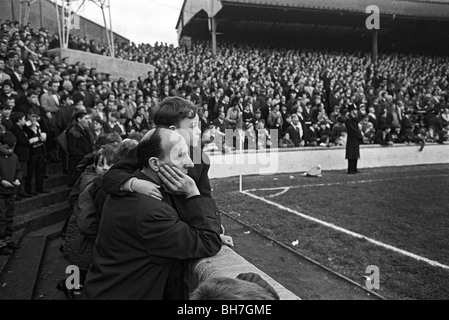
(356,235)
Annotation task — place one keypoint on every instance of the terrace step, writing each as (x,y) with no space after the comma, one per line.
(54,168)
(55,181)
(4,260)
(19,278)
(23,269)
(40,218)
(56,195)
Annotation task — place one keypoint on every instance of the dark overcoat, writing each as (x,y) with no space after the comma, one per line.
(354,138)
(294,135)
(22,148)
(79,143)
(140,239)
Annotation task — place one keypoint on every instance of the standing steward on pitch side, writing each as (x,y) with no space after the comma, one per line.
(354,139)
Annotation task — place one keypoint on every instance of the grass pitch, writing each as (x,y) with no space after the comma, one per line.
(406,208)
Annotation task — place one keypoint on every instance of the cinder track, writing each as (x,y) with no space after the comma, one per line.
(301,256)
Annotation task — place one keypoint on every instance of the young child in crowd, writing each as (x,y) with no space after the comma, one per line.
(10,176)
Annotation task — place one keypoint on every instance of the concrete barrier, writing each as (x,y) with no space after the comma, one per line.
(227,263)
(302,159)
(117,68)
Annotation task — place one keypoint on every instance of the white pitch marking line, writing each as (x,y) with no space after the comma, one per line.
(345,182)
(356,235)
(279,193)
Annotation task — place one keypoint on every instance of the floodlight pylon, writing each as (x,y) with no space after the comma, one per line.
(65,11)
(25,6)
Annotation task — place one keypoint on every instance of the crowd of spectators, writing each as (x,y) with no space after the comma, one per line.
(406,92)
(253,87)
(274,96)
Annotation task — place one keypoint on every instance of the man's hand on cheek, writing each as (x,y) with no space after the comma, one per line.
(177,181)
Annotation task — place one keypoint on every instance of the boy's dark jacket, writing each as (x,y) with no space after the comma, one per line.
(10,169)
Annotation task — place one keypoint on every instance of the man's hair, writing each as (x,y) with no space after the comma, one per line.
(173,110)
(224,288)
(150,146)
(9,139)
(51,82)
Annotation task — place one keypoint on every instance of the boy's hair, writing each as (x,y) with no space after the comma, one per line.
(101,141)
(107,153)
(32,92)
(79,115)
(125,146)
(16,116)
(9,139)
(224,288)
(64,97)
(77,98)
(34,110)
(173,110)
(113,138)
(98,119)
(135,136)
(115,114)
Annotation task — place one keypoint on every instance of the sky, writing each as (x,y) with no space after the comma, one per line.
(141,21)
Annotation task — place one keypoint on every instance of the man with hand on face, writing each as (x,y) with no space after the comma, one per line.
(180,115)
(142,242)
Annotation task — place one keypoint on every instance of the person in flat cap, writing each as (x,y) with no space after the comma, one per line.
(353,140)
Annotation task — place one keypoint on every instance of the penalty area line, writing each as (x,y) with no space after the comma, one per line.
(351,233)
(279,193)
(285,189)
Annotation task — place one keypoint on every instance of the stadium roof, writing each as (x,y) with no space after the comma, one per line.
(427,9)
(435,9)
(420,22)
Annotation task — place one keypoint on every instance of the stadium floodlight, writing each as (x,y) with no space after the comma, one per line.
(105,4)
(25,6)
(66,17)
